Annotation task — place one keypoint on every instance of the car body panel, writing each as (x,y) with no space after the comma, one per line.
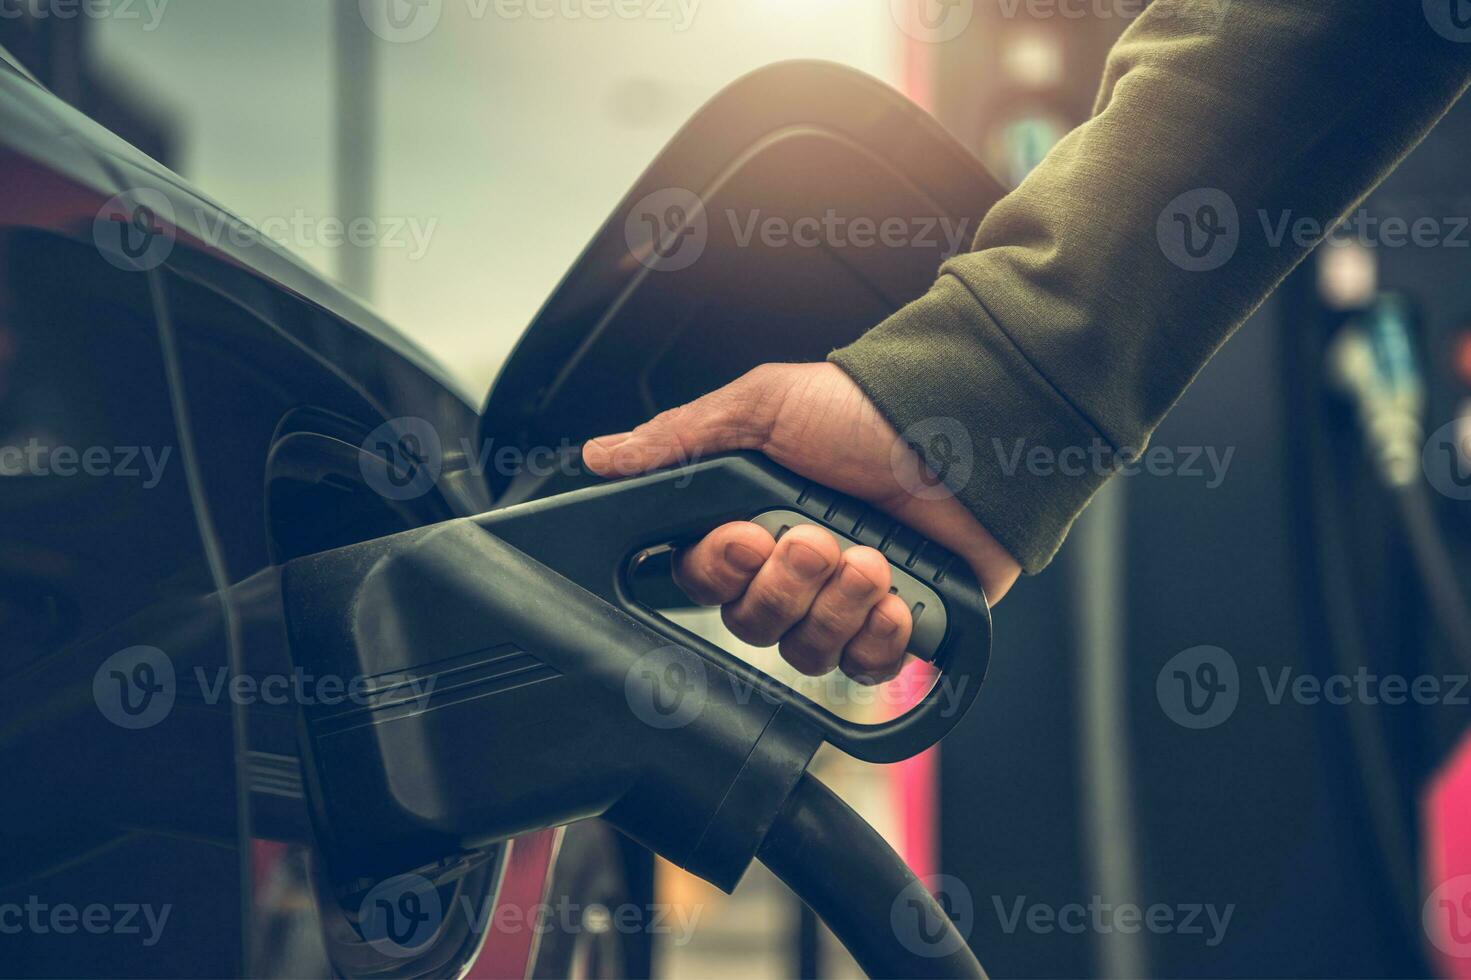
(257,338)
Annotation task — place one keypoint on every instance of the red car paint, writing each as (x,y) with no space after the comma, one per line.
(511,942)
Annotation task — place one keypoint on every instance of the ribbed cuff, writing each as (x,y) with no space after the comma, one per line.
(1003,439)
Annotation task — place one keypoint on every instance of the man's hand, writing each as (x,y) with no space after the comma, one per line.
(826,608)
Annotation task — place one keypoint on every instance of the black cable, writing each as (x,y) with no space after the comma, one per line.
(853,880)
(1438,575)
(1335,628)
(1373,763)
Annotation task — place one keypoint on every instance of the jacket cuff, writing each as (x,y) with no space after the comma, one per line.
(1006,442)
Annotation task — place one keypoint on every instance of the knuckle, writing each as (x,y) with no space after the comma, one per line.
(869,676)
(808,656)
(773,605)
(872,656)
(670,416)
(869,665)
(693,573)
(700,593)
(893,609)
(808,560)
(818,538)
(831,623)
(873,565)
(857,589)
(761,375)
(724,576)
(747,629)
(754,620)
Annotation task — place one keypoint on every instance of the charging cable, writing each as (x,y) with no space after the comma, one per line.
(1372,360)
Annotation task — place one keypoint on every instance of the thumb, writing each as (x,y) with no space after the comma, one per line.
(727,419)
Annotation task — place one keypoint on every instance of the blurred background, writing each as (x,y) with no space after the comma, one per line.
(499,144)
(509,139)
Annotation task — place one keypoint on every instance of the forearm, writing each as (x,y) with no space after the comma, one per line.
(1077,321)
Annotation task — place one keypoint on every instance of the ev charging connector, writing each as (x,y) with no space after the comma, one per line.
(514,683)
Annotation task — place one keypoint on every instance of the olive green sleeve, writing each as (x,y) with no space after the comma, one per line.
(1097,290)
